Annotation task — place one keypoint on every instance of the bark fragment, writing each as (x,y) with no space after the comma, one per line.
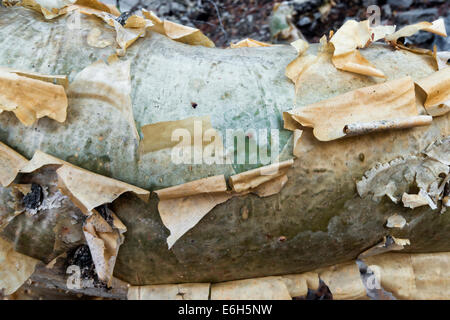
(249,43)
(384,106)
(31,97)
(177,31)
(182,207)
(15,268)
(109,81)
(437,90)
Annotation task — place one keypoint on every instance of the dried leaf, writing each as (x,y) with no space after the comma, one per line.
(389,101)
(31,96)
(177,31)
(437,89)
(15,268)
(184,291)
(112,81)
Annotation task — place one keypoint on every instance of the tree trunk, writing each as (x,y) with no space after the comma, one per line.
(319,213)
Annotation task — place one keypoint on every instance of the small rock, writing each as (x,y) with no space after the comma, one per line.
(400,4)
(367,3)
(396,221)
(304,21)
(416,15)
(306,5)
(386,11)
(420,38)
(163,10)
(178,7)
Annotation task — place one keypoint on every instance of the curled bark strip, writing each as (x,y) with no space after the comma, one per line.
(355,129)
(366,109)
(437,90)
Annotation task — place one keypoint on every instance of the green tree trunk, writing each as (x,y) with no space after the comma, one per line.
(319,212)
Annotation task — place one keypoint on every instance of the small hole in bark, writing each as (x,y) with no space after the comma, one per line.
(194,105)
(413,189)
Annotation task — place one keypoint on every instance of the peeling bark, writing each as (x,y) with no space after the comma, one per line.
(319,214)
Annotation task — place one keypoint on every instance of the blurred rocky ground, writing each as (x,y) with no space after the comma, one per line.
(226,21)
